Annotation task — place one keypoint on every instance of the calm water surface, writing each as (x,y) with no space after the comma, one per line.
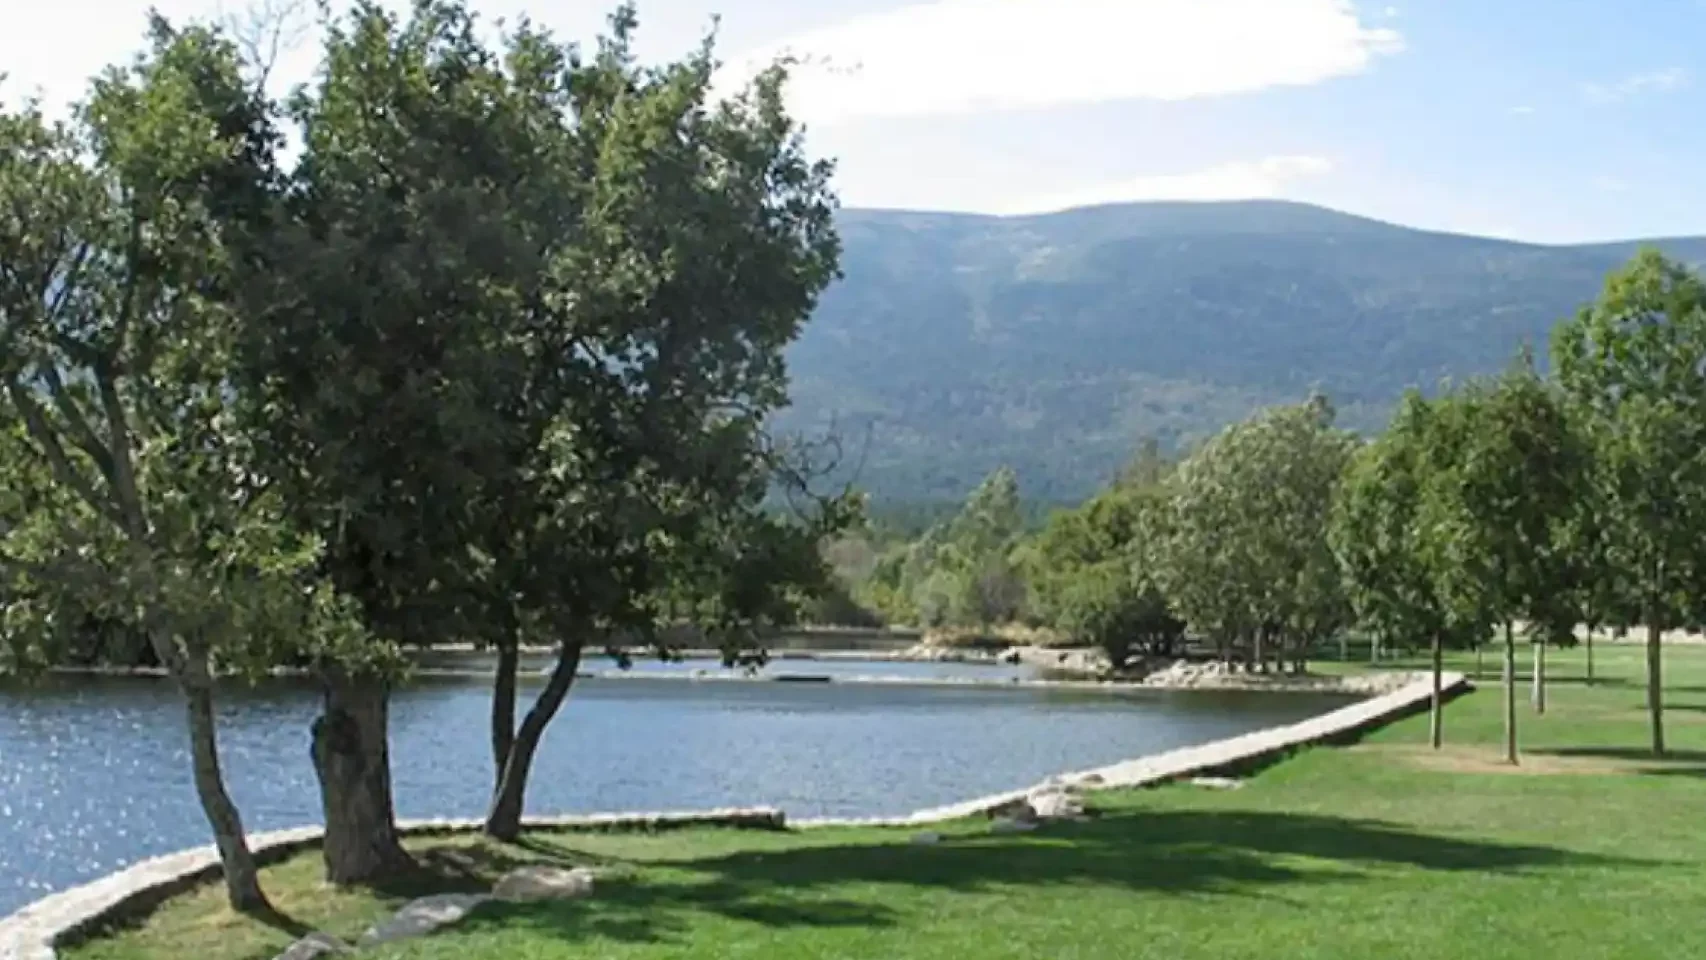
(95,773)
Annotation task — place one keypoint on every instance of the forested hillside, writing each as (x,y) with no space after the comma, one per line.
(956,344)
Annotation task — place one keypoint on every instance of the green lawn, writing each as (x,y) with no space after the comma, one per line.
(1382,850)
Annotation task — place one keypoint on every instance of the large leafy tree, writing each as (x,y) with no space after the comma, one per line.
(1634,364)
(398,327)
(130,495)
(702,237)
(1094,571)
(1248,556)
(549,370)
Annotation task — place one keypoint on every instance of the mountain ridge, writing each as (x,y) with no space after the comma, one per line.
(1053,343)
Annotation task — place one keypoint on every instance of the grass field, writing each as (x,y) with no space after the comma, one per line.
(1381,850)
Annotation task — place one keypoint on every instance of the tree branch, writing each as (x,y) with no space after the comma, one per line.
(54,452)
(69,281)
(81,433)
(268,28)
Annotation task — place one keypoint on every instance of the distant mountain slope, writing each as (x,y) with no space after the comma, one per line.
(1053,343)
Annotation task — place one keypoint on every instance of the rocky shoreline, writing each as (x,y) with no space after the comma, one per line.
(1089,667)
(1069,669)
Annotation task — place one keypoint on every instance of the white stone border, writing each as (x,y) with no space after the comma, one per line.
(1234,754)
(32,932)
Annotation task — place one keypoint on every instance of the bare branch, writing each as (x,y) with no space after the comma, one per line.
(266,30)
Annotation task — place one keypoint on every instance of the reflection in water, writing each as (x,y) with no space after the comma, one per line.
(95,773)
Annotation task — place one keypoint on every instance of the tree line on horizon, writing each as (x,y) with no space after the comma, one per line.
(487,358)
(1523,502)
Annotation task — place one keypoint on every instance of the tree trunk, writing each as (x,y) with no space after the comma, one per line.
(1436,720)
(503,706)
(1590,654)
(1480,662)
(242,883)
(503,820)
(1260,659)
(1655,686)
(352,759)
(1344,646)
(1537,683)
(1510,696)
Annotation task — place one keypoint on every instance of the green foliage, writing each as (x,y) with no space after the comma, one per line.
(1516,499)
(1504,476)
(1095,572)
(1381,537)
(1633,367)
(1248,555)
(962,570)
(131,494)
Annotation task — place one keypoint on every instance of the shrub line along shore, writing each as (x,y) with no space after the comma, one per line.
(34,932)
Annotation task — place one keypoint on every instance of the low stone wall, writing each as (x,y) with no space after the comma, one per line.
(1240,754)
(31,933)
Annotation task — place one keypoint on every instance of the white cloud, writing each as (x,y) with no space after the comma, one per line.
(1652,81)
(969,56)
(1244,180)
(1522,110)
(1390,12)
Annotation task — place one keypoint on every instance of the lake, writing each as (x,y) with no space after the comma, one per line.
(95,772)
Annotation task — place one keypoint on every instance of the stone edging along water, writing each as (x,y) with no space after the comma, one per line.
(34,931)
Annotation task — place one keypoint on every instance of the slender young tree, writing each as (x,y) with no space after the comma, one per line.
(1379,536)
(1506,476)
(1634,364)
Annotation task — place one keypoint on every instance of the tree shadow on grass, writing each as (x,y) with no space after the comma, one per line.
(443,868)
(1181,853)
(1609,683)
(281,921)
(1639,760)
(468,867)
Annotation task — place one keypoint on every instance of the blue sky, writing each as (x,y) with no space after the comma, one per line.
(1546,120)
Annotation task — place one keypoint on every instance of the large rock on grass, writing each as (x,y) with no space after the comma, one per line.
(537,882)
(313,946)
(1055,805)
(421,917)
